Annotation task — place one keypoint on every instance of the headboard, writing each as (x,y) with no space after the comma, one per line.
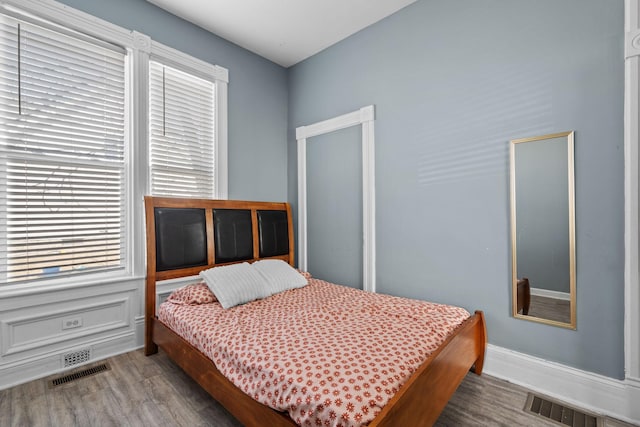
(186,236)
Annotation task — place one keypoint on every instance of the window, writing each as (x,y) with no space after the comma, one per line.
(62,152)
(181,133)
(74,92)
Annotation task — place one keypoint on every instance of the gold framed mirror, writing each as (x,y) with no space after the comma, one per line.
(543,229)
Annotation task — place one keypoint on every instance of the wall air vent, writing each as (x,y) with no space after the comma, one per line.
(76,357)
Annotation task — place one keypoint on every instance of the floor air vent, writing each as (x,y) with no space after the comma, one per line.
(80,374)
(560,413)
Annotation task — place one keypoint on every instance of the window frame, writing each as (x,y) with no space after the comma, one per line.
(140,48)
(58,149)
(215,74)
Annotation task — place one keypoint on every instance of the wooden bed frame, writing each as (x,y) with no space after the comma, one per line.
(418,403)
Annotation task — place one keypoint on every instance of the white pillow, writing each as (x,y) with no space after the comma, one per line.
(279,275)
(235,284)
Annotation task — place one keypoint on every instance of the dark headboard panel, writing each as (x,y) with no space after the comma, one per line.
(273,228)
(181,238)
(232,235)
(186,236)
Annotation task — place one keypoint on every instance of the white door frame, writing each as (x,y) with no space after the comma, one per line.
(364,117)
(631,211)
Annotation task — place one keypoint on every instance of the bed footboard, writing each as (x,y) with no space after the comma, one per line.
(202,370)
(418,403)
(423,397)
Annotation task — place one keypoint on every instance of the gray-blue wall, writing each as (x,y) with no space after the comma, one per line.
(257,94)
(334,207)
(453,82)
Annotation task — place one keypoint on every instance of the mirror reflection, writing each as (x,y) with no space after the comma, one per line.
(543,229)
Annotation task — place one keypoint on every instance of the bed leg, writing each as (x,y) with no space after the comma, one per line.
(149,346)
(481,340)
(477,366)
(150,349)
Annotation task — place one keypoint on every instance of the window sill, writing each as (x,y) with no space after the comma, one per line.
(65,283)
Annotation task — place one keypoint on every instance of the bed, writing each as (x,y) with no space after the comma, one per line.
(187,236)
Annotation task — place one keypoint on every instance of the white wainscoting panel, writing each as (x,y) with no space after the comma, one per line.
(46,327)
(46,364)
(163,289)
(37,329)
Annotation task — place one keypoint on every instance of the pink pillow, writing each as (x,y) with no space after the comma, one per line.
(198,293)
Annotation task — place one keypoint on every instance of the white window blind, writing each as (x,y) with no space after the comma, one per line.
(181,133)
(62,127)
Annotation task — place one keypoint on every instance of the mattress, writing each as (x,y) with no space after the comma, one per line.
(326,354)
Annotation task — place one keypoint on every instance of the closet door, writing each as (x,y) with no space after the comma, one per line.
(334,206)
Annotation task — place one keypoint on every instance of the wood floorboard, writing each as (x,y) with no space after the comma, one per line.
(153,391)
(64,411)
(5,402)
(550,308)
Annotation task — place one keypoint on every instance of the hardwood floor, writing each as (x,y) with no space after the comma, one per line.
(550,308)
(152,391)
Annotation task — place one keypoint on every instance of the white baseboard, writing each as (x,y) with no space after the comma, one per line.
(565,296)
(596,393)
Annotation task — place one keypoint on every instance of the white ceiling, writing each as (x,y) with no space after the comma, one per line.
(284,31)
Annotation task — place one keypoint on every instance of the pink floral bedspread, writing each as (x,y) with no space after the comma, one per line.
(329,355)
